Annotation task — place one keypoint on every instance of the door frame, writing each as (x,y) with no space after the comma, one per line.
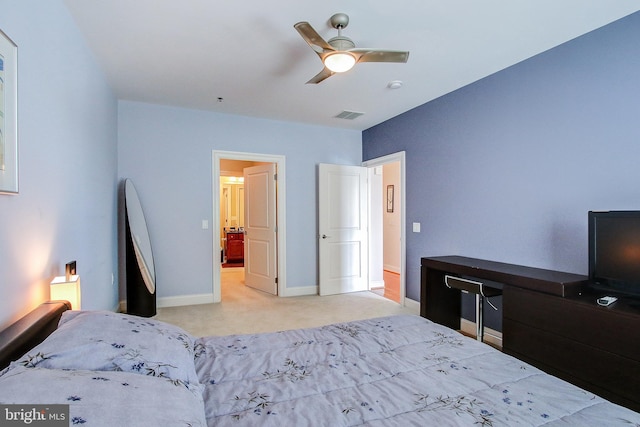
(281,232)
(380,161)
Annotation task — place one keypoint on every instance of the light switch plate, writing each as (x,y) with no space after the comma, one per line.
(205,224)
(416,227)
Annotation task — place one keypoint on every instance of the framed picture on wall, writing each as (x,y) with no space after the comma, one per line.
(8,115)
(389,198)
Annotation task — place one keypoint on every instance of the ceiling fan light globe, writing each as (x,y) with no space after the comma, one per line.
(339,62)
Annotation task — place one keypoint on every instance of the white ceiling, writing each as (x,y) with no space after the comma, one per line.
(189,53)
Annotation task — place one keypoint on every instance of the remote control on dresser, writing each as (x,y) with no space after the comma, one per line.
(605,301)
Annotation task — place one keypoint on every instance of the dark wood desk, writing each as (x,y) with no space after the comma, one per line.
(551,321)
(442,305)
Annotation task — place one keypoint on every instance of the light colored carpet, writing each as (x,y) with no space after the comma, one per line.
(244,310)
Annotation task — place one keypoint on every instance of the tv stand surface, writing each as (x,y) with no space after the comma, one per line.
(551,322)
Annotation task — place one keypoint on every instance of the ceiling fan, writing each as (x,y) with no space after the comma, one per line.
(339,54)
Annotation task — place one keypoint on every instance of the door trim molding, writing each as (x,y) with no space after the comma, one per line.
(379,161)
(279,160)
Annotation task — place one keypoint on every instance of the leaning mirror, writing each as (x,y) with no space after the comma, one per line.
(141,276)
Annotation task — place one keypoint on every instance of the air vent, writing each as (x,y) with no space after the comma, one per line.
(348,115)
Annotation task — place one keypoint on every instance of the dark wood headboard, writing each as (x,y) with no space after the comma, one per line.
(30,330)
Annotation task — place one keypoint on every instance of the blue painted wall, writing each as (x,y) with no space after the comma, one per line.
(506,168)
(67,130)
(167,152)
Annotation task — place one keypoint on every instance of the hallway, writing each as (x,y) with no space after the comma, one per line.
(391,289)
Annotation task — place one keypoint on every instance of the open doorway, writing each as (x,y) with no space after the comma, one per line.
(232,213)
(233,251)
(232,256)
(387,224)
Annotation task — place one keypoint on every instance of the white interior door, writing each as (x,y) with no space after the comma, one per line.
(343,229)
(260,263)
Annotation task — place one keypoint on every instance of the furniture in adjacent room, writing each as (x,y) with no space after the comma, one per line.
(234,246)
(550,320)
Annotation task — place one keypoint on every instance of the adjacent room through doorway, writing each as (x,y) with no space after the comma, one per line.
(232,213)
(387,224)
(237,245)
(245,211)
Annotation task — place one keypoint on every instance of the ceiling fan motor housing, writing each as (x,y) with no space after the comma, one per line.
(341,43)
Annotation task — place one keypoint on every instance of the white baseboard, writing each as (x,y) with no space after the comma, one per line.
(181,300)
(490,336)
(376,284)
(208,298)
(185,300)
(300,291)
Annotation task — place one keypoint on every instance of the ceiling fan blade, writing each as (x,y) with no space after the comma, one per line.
(377,55)
(322,75)
(312,37)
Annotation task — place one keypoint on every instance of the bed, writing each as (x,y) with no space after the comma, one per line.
(115,369)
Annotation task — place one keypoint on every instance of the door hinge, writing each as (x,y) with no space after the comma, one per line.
(275,176)
(276,280)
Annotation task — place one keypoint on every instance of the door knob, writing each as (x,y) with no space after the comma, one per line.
(324,236)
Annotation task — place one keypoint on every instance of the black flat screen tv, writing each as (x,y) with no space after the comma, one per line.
(614,252)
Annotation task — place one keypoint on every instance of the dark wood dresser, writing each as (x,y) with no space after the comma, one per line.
(235,246)
(551,321)
(594,347)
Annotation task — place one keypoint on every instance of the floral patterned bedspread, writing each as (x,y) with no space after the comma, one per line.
(103,398)
(399,370)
